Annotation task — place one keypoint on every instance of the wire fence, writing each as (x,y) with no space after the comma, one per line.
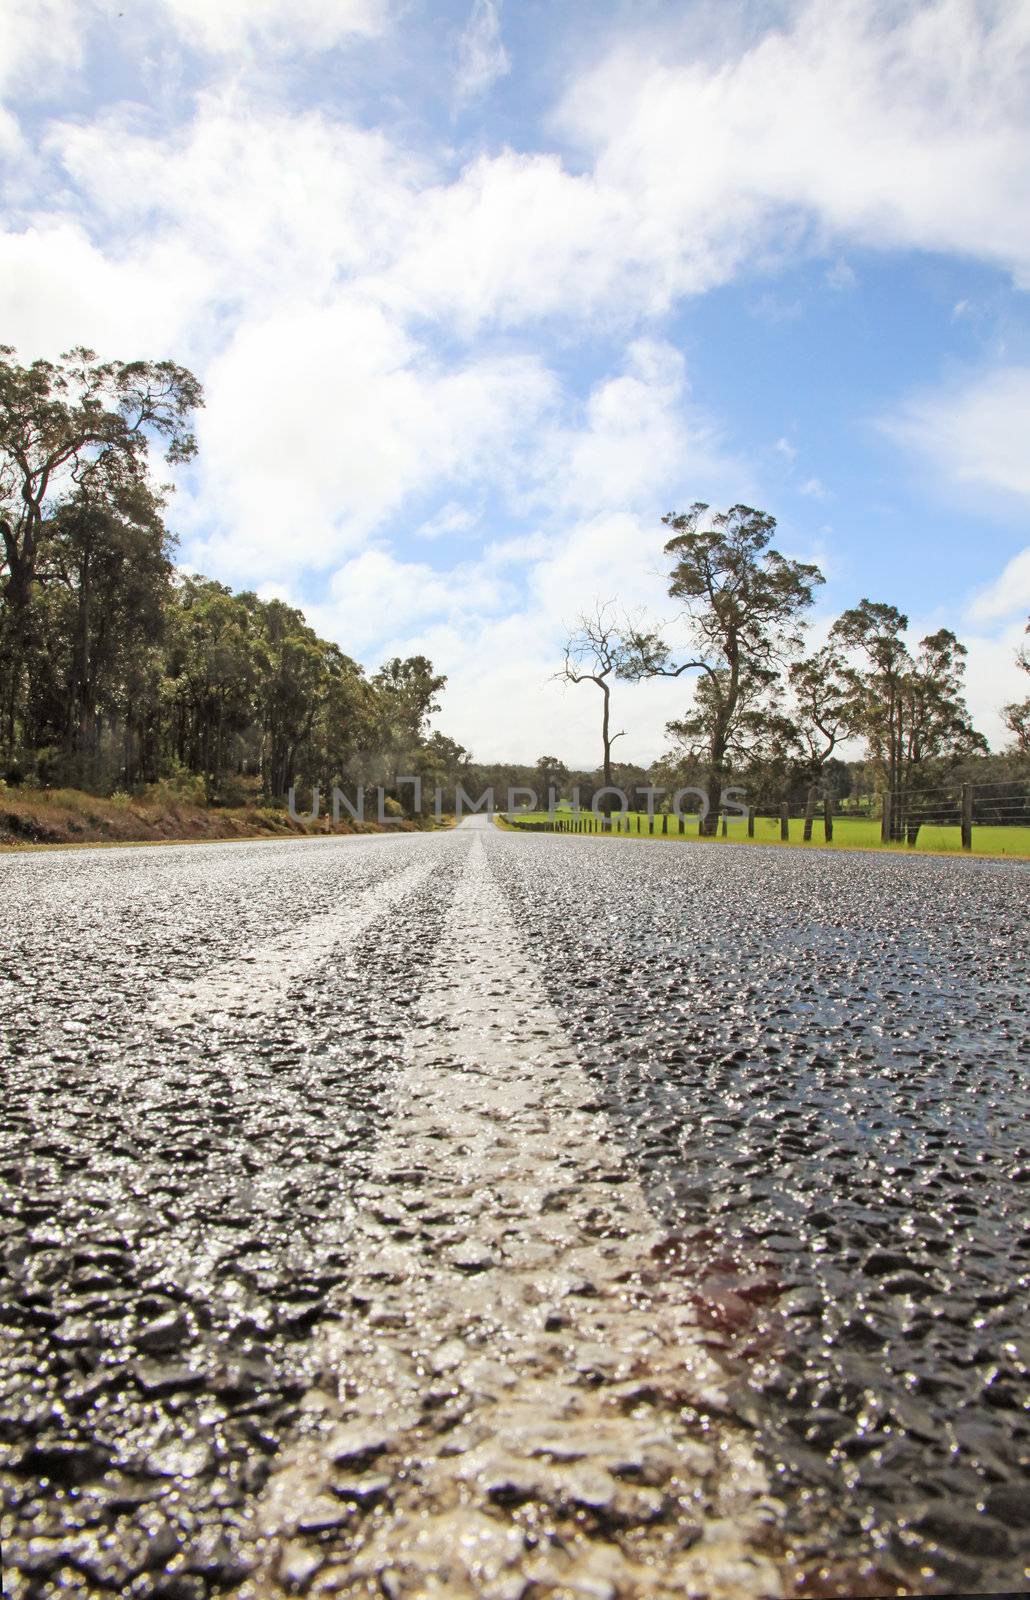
(629,822)
(1004,803)
(896,816)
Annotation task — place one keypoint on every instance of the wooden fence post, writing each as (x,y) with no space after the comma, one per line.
(750,822)
(967,816)
(784,821)
(809,814)
(885,818)
(828,819)
(665,822)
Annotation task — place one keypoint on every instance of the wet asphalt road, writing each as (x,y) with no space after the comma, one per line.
(816,1064)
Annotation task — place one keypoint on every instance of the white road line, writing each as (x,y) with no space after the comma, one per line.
(513,1385)
(258,979)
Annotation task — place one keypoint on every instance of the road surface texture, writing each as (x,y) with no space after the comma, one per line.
(477,1214)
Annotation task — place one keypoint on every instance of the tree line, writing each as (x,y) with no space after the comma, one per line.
(118,671)
(763,709)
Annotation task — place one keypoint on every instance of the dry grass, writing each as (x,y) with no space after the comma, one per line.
(41,818)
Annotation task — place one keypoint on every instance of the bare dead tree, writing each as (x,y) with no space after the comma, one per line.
(597,651)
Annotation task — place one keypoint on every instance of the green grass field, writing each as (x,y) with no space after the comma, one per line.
(849,833)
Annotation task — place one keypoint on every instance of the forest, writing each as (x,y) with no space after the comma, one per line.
(117,670)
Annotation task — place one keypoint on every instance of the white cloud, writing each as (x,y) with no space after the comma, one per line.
(511,665)
(10,136)
(41,46)
(60,289)
(841,276)
(271,205)
(976,433)
(1008,595)
(850,124)
(839,123)
(225,27)
(375,593)
(637,441)
(815,489)
(513,239)
(451,518)
(902,126)
(43,42)
(482,58)
(495,624)
(614,554)
(993,680)
(995,632)
(321,422)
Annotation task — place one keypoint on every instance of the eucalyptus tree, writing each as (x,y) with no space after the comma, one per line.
(823,712)
(550,774)
(441,763)
(743,609)
(407,691)
(758,737)
(108,582)
(216,660)
(294,684)
(909,708)
(344,730)
(73,427)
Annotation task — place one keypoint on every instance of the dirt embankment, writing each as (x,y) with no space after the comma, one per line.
(69,816)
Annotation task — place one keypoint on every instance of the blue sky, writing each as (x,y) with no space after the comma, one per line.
(479,290)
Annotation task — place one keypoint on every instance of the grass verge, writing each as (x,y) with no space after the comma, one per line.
(35,819)
(849,833)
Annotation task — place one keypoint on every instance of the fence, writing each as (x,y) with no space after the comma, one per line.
(1003,803)
(896,818)
(631,822)
(636,823)
(640,824)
